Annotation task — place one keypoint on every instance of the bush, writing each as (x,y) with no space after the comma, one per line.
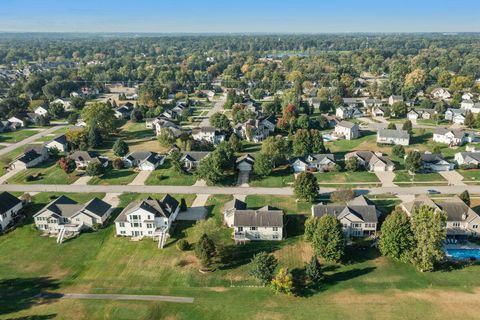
(183,245)
(117,163)
(29,178)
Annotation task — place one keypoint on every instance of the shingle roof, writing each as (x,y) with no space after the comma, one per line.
(195,155)
(258,218)
(7,201)
(98,207)
(346,124)
(235,204)
(360,207)
(392,133)
(159,208)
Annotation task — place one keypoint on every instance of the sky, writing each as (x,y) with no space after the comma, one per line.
(246,16)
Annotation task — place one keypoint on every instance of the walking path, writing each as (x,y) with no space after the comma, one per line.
(82,181)
(30,139)
(108,296)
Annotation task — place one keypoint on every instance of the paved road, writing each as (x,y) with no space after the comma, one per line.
(227,190)
(91,296)
(30,139)
(217,107)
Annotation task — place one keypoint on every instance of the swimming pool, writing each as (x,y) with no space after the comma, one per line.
(463,254)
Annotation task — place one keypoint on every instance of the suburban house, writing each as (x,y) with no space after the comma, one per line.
(434,162)
(314,162)
(420,113)
(348,112)
(252,130)
(30,158)
(148,218)
(41,111)
(144,160)
(394,99)
(373,103)
(64,216)
(191,159)
(353,102)
(392,136)
(347,129)
(454,137)
(19,123)
(9,208)
(265,223)
(467,96)
(455,115)
(124,111)
(209,134)
(59,142)
(270,122)
(7,126)
(441,94)
(161,124)
(462,221)
(378,111)
(245,163)
(314,102)
(84,158)
(372,161)
(359,217)
(64,102)
(470,105)
(469,160)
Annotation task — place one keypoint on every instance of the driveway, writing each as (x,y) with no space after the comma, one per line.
(112,199)
(453,177)
(8,175)
(386,178)
(30,139)
(197,210)
(140,178)
(243,178)
(82,181)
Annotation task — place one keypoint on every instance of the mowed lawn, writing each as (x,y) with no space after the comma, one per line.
(16,136)
(280,177)
(365,287)
(114,177)
(403,177)
(347,178)
(167,175)
(471,176)
(48,172)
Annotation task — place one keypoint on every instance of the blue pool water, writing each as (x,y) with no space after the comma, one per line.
(463,254)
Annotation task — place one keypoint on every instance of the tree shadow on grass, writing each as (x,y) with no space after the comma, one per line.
(18,294)
(360,252)
(37,317)
(232,256)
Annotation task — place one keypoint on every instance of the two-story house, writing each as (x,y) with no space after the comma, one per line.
(454,137)
(347,130)
(208,134)
(392,136)
(10,206)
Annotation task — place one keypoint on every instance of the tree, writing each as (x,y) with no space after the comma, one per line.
(94,138)
(413,161)
(117,163)
(313,270)
(396,239)
(306,186)
(351,164)
(283,282)
(407,126)
(327,240)
(72,118)
(166,138)
(342,195)
(469,119)
(101,116)
(235,143)
(56,110)
(398,151)
(209,170)
(220,121)
(205,250)
(175,157)
(440,107)
(465,197)
(120,148)
(76,139)
(263,266)
(262,166)
(429,232)
(399,110)
(67,164)
(277,148)
(310,227)
(392,126)
(94,169)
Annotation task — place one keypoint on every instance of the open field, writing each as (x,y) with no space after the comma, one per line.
(49,173)
(470,176)
(404,178)
(366,286)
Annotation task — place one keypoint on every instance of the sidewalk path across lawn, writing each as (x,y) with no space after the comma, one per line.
(30,139)
(82,181)
(91,296)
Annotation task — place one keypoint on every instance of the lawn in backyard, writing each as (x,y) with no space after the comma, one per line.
(404,177)
(114,177)
(167,175)
(48,172)
(16,136)
(366,286)
(280,177)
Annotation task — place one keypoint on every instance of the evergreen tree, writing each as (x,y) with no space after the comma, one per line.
(465,197)
(205,250)
(120,148)
(94,137)
(262,166)
(262,267)
(283,282)
(313,270)
(407,126)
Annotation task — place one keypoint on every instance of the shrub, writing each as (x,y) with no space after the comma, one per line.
(183,245)
(117,163)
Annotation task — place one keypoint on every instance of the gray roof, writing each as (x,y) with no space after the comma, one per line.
(392,133)
(346,124)
(250,158)
(65,207)
(82,156)
(61,138)
(368,156)
(98,207)
(235,204)
(159,208)
(432,157)
(141,155)
(194,155)
(263,217)
(360,207)
(472,155)
(30,154)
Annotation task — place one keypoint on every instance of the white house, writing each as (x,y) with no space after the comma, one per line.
(371,161)
(420,113)
(64,102)
(84,158)
(64,216)
(468,159)
(144,160)
(265,223)
(434,162)
(252,130)
(30,158)
(392,136)
(148,218)
(314,162)
(348,112)
(347,129)
(9,208)
(190,160)
(59,142)
(208,134)
(19,123)
(454,137)
(440,93)
(394,99)
(359,217)
(456,115)
(41,111)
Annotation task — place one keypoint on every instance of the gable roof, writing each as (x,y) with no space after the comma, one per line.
(346,124)
(159,208)
(263,217)
(8,201)
(393,133)
(194,155)
(360,207)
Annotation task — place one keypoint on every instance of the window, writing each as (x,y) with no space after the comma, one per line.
(150,232)
(137,225)
(456,224)
(121,224)
(257,236)
(149,226)
(275,236)
(122,232)
(475,226)
(253,228)
(275,228)
(240,229)
(77,219)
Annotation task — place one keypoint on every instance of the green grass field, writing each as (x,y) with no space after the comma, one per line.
(366,286)
(404,177)
(114,177)
(50,173)
(166,175)
(362,178)
(280,177)
(470,176)
(16,136)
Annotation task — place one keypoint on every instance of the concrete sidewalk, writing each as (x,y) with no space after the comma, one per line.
(30,139)
(134,297)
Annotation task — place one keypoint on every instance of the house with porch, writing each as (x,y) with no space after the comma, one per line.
(143,160)
(359,217)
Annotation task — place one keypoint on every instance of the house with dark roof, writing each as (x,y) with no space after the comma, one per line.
(64,216)
(144,160)
(84,158)
(265,223)
(245,162)
(124,111)
(148,218)
(31,157)
(371,161)
(462,221)
(434,162)
(393,136)
(314,162)
(349,112)
(10,206)
(191,159)
(359,217)
(59,142)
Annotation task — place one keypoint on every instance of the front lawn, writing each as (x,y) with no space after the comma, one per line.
(16,136)
(280,177)
(404,176)
(167,175)
(348,178)
(114,177)
(471,176)
(48,172)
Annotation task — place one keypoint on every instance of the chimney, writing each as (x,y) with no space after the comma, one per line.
(464,216)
